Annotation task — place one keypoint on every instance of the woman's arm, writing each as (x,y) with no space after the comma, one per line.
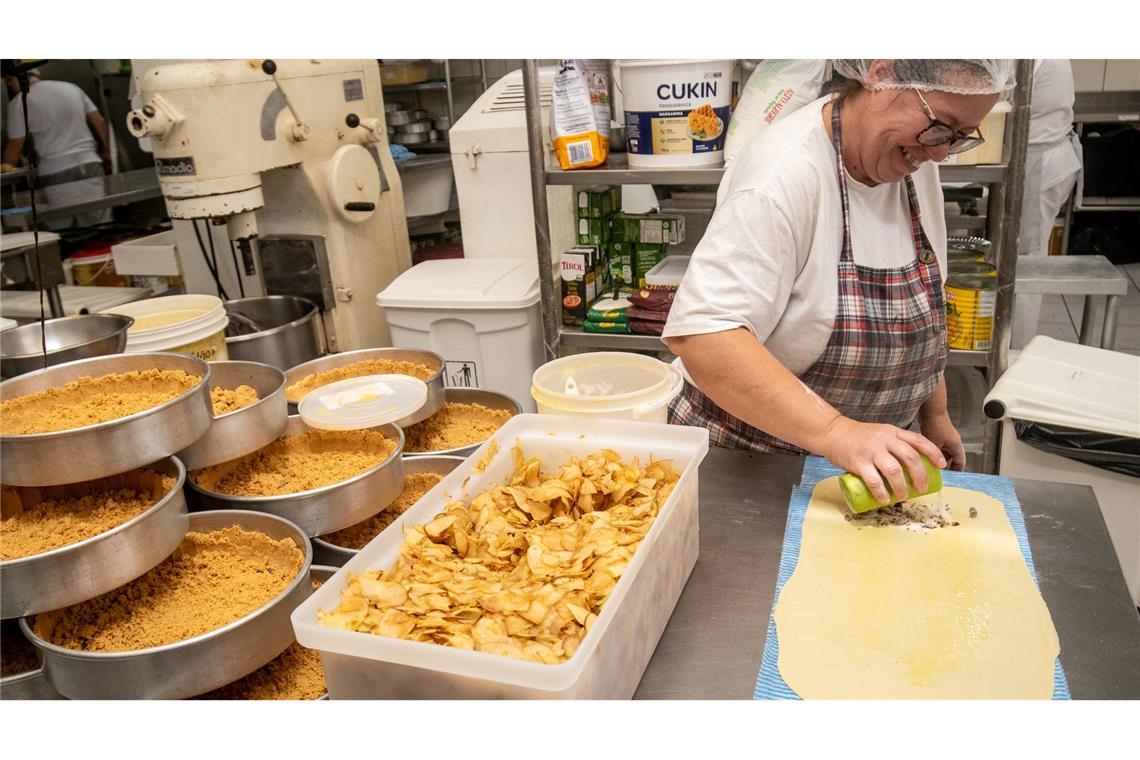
(742,377)
(934,419)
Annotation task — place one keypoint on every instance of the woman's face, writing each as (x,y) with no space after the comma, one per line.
(893,118)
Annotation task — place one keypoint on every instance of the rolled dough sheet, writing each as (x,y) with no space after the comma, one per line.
(890,613)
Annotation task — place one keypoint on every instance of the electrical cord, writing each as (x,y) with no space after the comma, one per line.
(29,157)
(206,257)
(237,269)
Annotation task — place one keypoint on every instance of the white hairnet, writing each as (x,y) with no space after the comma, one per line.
(962,76)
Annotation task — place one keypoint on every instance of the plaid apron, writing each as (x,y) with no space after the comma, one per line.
(887,350)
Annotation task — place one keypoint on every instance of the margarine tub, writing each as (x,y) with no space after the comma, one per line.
(187,324)
(676,112)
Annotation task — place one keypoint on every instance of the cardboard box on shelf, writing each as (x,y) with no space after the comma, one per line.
(579,283)
(403,73)
(598,202)
(593,231)
(648,228)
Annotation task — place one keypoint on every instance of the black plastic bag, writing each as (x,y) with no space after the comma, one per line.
(1109,452)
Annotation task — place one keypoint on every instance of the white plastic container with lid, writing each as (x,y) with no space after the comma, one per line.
(607,385)
(483,316)
(1084,388)
(668,272)
(187,324)
(676,111)
(611,659)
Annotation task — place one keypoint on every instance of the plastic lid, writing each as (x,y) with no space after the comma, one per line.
(465,284)
(363,402)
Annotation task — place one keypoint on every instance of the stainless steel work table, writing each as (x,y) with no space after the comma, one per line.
(101,192)
(712,646)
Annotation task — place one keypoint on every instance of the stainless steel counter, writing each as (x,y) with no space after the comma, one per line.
(712,646)
(99,193)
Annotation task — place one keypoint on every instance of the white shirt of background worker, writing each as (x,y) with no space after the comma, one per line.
(756,319)
(69,136)
(1052,163)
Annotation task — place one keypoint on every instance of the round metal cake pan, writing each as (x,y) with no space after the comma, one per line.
(242,431)
(112,447)
(195,665)
(83,570)
(327,553)
(28,684)
(489,399)
(335,361)
(319,510)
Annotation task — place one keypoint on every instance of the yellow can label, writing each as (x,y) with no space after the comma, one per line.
(970,318)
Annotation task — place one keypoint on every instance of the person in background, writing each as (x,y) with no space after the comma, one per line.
(812,316)
(70,139)
(1052,163)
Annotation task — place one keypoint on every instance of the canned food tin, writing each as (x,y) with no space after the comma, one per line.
(970,302)
(973,268)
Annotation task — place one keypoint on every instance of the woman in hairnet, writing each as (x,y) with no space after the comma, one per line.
(812,315)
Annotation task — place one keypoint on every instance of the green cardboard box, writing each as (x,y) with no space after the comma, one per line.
(648,228)
(593,231)
(597,202)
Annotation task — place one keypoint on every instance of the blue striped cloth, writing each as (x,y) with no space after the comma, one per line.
(769,684)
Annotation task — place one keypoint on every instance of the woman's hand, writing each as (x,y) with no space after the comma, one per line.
(868,449)
(942,433)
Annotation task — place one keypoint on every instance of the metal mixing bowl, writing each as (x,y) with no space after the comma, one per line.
(68,339)
(334,361)
(489,399)
(330,554)
(320,510)
(289,334)
(242,431)
(94,566)
(195,665)
(96,451)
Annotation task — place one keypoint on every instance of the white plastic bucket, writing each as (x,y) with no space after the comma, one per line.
(676,111)
(187,324)
(607,385)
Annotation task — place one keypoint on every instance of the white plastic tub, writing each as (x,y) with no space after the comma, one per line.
(189,324)
(660,95)
(607,385)
(483,316)
(427,190)
(613,656)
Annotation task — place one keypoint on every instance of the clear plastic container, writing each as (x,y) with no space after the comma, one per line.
(363,402)
(610,661)
(610,384)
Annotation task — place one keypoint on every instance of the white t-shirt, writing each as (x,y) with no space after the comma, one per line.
(1051,107)
(58,113)
(769,259)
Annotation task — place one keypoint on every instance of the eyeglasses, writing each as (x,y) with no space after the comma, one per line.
(940,133)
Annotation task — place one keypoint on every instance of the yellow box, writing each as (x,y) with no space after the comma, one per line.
(403,73)
(993,129)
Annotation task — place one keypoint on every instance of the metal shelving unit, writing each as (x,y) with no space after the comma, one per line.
(446,85)
(1001,224)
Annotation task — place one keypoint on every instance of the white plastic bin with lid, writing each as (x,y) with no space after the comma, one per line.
(1087,388)
(668,272)
(483,316)
(607,385)
(611,659)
